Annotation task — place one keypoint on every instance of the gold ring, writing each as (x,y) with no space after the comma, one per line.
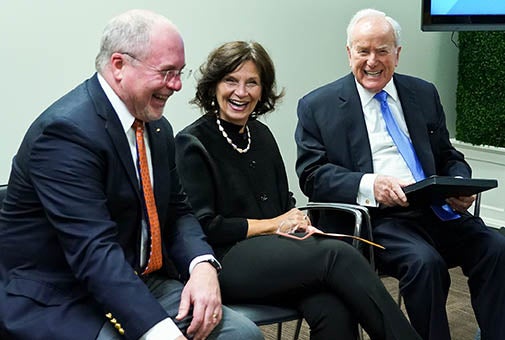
(214,316)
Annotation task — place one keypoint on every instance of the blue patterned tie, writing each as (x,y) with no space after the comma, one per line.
(406,149)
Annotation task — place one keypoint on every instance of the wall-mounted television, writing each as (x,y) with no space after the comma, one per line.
(463,15)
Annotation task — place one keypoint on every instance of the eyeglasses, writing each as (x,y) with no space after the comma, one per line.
(167,75)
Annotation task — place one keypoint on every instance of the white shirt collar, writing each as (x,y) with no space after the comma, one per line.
(125,117)
(366,96)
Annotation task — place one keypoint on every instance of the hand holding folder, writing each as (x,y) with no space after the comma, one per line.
(436,189)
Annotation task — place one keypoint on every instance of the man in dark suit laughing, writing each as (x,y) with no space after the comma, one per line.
(97,239)
(365,136)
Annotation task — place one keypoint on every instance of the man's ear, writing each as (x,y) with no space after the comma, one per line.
(398,49)
(117,64)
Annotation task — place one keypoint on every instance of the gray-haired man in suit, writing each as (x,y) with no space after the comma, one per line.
(349,152)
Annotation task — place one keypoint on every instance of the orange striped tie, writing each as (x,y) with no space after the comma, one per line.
(155,257)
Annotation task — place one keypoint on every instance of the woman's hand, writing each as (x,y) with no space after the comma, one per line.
(291,221)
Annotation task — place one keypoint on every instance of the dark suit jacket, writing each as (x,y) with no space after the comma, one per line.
(333,145)
(69,228)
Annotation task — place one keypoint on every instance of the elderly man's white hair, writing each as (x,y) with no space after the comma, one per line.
(369,12)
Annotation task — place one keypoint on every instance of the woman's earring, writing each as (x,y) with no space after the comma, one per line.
(213,105)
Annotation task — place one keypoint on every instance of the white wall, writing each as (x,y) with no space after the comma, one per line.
(48,47)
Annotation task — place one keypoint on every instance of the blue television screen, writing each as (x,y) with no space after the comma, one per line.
(463,15)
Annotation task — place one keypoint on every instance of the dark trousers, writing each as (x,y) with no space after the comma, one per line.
(328,280)
(419,251)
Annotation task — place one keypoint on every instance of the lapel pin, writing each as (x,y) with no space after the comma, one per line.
(158,129)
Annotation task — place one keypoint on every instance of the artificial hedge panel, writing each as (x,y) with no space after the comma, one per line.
(480,97)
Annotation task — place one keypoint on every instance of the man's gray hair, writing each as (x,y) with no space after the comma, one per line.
(369,12)
(128,32)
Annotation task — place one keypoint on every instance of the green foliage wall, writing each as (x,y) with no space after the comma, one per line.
(480,97)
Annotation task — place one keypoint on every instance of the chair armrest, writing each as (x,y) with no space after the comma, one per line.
(361,216)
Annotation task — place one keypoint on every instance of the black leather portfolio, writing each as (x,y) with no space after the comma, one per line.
(435,189)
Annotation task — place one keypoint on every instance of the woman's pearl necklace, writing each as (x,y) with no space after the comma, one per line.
(225,135)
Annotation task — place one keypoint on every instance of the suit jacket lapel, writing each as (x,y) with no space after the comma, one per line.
(350,107)
(158,142)
(416,125)
(114,128)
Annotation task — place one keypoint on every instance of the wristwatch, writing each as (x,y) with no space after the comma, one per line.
(214,264)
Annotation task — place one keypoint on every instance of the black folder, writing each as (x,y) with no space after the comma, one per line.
(436,189)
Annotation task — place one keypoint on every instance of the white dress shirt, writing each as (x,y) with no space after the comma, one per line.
(386,158)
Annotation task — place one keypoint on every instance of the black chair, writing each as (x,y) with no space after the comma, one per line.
(362,228)
(270,314)
(273,314)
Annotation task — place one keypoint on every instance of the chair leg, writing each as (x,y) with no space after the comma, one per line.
(297,329)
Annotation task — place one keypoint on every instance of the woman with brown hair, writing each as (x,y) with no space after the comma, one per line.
(232,170)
